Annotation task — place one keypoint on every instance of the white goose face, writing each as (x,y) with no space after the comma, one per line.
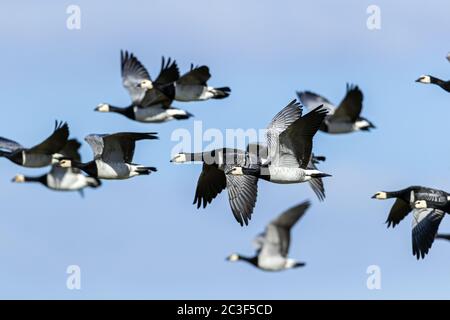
(420,204)
(146,84)
(179,158)
(236,171)
(424,79)
(65,163)
(233,257)
(56,157)
(380,195)
(19,178)
(102,107)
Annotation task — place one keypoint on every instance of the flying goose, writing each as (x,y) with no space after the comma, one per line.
(272,247)
(192,86)
(242,191)
(64,179)
(427,79)
(428,207)
(113,156)
(289,142)
(40,155)
(342,119)
(150,104)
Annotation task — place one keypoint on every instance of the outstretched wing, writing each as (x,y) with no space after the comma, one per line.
(210,183)
(242,193)
(133,73)
(95,141)
(169,72)
(9,145)
(196,76)
(55,142)
(424,229)
(297,140)
(351,106)
(316,183)
(312,100)
(398,212)
(284,222)
(280,123)
(120,146)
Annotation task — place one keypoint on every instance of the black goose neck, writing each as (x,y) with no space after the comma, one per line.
(40,179)
(127,111)
(251,260)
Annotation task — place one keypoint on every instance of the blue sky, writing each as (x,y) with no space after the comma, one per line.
(142,238)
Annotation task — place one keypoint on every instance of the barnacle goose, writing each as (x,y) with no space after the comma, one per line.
(428,207)
(272,246)
(41,155)
(113,156)
(342,119)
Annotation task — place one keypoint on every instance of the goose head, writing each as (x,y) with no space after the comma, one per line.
(420,204)
(233,257)
(65,163)
(102,107)
(235,171)
(380,195)
(19,178)
(145,84)
(424,79)
(179,158)
(56,158)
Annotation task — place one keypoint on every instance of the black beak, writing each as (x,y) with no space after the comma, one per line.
(13,179)
(374,196)
(418,80)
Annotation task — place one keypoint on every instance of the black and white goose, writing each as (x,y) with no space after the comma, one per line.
(113,156)
(242,191)
(41,155)
(153,103)
(273,245)
(428,207)
(192,86)
(342,119)
(289,142)
(427,79)
(64,179)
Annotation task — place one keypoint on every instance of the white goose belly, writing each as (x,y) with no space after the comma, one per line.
(185,92)
(70,181)
(286,175)
(151,114)
(112,170)
(36,160)
(272,263)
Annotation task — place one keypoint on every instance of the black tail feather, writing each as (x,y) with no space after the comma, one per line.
(146,170)
(221,93)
